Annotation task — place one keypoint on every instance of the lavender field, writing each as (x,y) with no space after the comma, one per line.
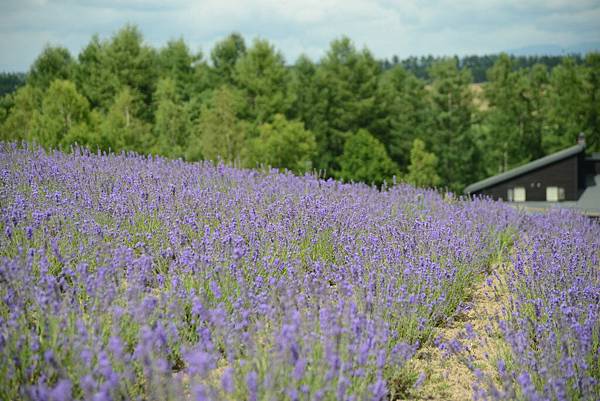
(128,277)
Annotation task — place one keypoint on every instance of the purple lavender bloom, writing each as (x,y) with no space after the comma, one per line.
(227,381)
(252,385)
(115,346)
(88,385)
(102,396)
(320,278)
(341,388)
(200,363)
(62,391)
(299,368)
(379,390)
(420,380)
(200,393)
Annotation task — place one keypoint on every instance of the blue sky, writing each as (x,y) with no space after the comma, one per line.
(387,27)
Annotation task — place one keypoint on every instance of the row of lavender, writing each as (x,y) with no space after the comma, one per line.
(552,322)
(124,277)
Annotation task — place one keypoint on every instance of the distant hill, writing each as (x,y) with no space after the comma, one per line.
(480,64)
(555,50)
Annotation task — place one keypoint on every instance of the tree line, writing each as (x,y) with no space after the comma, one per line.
(345,115)
(418,66)
(11,81)
(477,64)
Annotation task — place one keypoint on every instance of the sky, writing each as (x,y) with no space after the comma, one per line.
(387,27)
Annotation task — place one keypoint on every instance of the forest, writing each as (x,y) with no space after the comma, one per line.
(477,64)
(347,115)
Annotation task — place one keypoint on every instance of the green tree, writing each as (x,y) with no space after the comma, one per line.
(55,62)
(94,75)
(566,107)
(225,55)
(535,101)
(262,75)
(502,92)
(452,137)
(86,133)
(122,129)
(283,144)
(177,63)
(365,159)
(10,82)
(517,113)
(6,104)
(422,171)
(26,104)
(220,134)
(123,61)
(346,80)
(303,91)
(592,66)
(171,122)
(402,113)
(105,68)
(64,111)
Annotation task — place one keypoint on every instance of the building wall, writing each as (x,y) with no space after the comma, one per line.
(562,174)
(592,167)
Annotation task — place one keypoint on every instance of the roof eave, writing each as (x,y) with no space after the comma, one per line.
(524,169)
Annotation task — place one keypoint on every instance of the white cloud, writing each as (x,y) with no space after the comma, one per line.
(387,27)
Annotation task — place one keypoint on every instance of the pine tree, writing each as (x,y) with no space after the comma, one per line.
(94,76)
(55,62)
(402,113)
(592,66)
(122,128)
(364,159)
(422,171)
(566,106)
(225,55)
(347,81)
(171,127)
(303,91)
(106,68)
(134,64)
(64,112)
(177,63)
(502,92)
(26,106)
(220,135)
(262,75)
(517,114)
(535,101)
(452,136)
(283,144)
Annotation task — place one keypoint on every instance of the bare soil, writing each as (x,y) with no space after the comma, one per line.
(449,376)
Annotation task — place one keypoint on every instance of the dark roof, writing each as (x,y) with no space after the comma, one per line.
(531,166)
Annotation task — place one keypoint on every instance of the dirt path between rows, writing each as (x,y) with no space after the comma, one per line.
(446,375)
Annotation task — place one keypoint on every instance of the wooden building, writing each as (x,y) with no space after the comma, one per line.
(567,178)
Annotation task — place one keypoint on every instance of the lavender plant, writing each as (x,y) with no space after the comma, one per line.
(552,325)
(130,277)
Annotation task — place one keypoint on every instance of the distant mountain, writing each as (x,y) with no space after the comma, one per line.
(555,50)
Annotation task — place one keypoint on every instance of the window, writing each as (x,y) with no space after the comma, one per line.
(510,195)
(519,194)
(555,194)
